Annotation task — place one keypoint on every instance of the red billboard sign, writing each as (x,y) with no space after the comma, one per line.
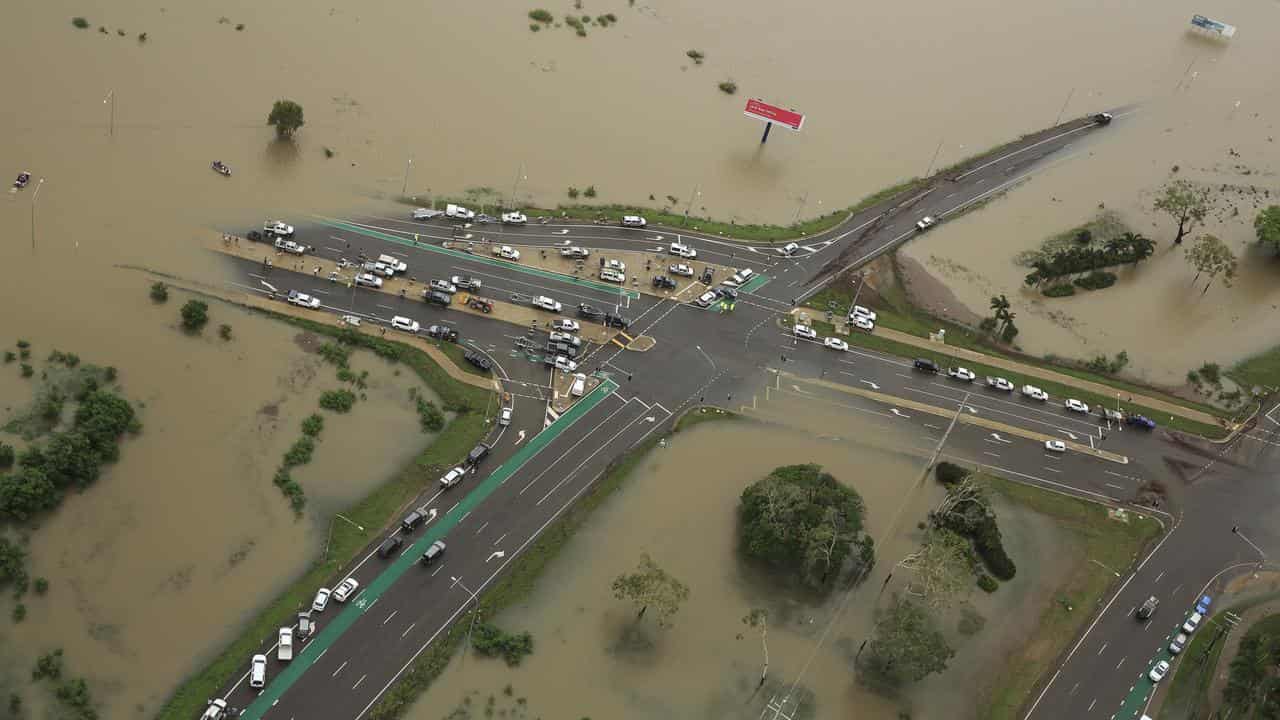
(762,110)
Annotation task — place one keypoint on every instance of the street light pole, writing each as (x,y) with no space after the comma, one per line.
(935,157)
(697,191)
(110,99)
(803,199)
(474,613)
(404,188)
(349,521)
(35,195)
(515,184)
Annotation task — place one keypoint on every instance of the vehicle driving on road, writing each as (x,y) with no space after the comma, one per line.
(805,331)
(962,374)
(1055,446)
(542,302)
(409,325)
(999,383)
(465,282)
(514,218)
(633,221)
(301,300)
(1075,405)
(1034,393)
(835,344)
(926,222)
(682,250)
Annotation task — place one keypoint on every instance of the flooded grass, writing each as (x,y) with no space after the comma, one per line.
(1262,370)
(1113,543)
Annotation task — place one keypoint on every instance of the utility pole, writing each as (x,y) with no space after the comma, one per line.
(110,99)
(35,195)
(405,186)
(474,613)
(695,193)
(1064,106)
(515,184)
(804,199)
(934,158)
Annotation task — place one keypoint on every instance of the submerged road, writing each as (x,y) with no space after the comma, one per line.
(706,357)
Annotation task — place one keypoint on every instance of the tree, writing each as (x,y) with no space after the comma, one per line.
(26,492)
(1267,224)
(1247,671)
(906,647)
(1186,204)
(194,315)
(1210,255)
(759,619)
(286,116)
(1004,318)
(651,585)
(941,568)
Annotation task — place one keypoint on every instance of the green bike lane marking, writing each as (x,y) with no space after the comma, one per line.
(379,585)
(755,283)
(546,274)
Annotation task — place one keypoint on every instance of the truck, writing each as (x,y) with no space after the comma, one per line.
(458,212)
(284,649)
(484,305)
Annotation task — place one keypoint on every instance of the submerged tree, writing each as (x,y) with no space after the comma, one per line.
(1210,255)
(906,647)
(1186,204)
(1267,225)
(651,585)
(286,116)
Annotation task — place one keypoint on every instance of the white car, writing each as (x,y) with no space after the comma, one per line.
(466,282)
(859,311)
(258,671)
(574,252)
(507,252)
(351,320)
(505,417)
(926,222)
(444,286)
(1192,623)
(369,280)
(514,218)
(1159,671)
(301,300)
(217,710)
(564,364)
(1075,405)
(290,246)
(634,221)
(453,477)
(683,251)
(426,214)
(543,302)
(379,268)
(611,275)
(322,600)
(1055,446)
(1178,644)
(284,644)
(706,298)
(615,265)
(805,331)
(458,212)
(681,269)
(864,323)
(346,590)
(835,344)
(276,227)
(563,337)
(1034,393)
(789,249)
(1000,383)
(565,325)
(961,374)
(401,322)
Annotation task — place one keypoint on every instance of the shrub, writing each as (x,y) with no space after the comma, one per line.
(696,56)
(1096,280)
(429,416)
(159,292)
(48,665)
(535,27)
(27,370)
(195,314)
(1193,377)
(988,325)
(573,193)
(42,586)
(300,452)
(313,425)
(989,545)
(80,22)
(1212,373)
(988,583)
(490,640)
(581,31)
(950,473)
(224,331)
(6,456)
(541,15)
(1060,290)
(142,37)
(728,87)
(19,612)
(590,191)
(281,478)
(1084,237)
(9,357)
(335,354)
(339,401)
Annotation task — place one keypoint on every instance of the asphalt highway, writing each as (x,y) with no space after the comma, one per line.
(731,359)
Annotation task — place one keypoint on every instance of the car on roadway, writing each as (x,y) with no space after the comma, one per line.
(681,269)
(390,546)
(284,644)
(1159,671)
(258,671)
(926,222)
(504,418)
(633,221)
(611,275)
(590,313)
(433,553)
(290,247)
(1148,608)
(574,252)
(465,282)
(369,280)
(444,286)
(426,214)
(1109,414)
(999,383)
(805,332)
(681,250)
(408,325)
(484,219)
(322,600)
(442,332)
(1141,421)
(542,302)
(507,252)
(564,337)
(379,268)
(706,298)
(478,360)
(616,321)
(864,323)
(860,311)
(789,249)
(1192,623)
(1034,393)
(1103,118)
(458,212)
(565,325)
(835,344)
(217,710)
(727,293)
(961,373)
(1075,405)
(1055,446)
(662,282)
(278,228)
(346,590)
(926,365)
(514,218)
(563,364)
(1178,644)
(303,300)
(453,477)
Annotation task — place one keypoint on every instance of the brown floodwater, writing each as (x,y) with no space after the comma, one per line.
(153,568)
(680,506)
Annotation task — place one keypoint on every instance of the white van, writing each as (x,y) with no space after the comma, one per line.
(579,385)
(396,264)
(458,212)
(400,322)
(743,275)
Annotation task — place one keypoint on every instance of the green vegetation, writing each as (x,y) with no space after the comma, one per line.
(300,452)
(376,510)
(27,370)
(728,87)
(73,694)
(1189,686)
(696,56)
(1115,542)
(1267,225)
(1096,280)
(312,425)
(590,192)
(1250,683)
(906,647)
(1129,248)
(1209,255)
(286,116)
(967,512)
(429,416)
(339,401)
(6,456)
(142,37)
(650,585)
(803,522)
(195,313)
(64,379)
(48,666)
(19,612)
(80,22)
(573,192)
(987,583)
(224,331)
(41,586)
(1059,290)
(159,292)
(13,565)
(949,473)
(1261,371)
(1186,204)
(490,640)
(1103,366)
(542,16)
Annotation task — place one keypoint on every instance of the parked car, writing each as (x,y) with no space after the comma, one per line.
(566,338)
(706,298)
(805,332)
(290,246)
(1158,671)
(999,383)
(390,546)
(346,590)
(465,282)
(369,280)
(478,360)
(681,250)
(1055,446)
(514,218)
(453,477)
(1109,414)
(864,324)
(681,269)
(1178,644)
(278,228)
(458,212)
(443,332)
(616,321)
(542,302)
(412,521)
(396,264)
(350,320)
(435,297)
(569,351)
(504,418)
(926,222)
(574,252)
(590,313)
(1192,623)
(727,293)
(926,365)
(444,286)
(562,363)
(1075,405)
(611,275)
(258,671)
(662,282)
(1102,118)
(217,710)
(322,600)
(284,644)
(301,300)
(962,374)
(633,221)
(1034,393)
(860,311)
(379,268)
(565,325)
(835,344)
(426,214)
(614,265)
(484,219)
(408,325)
(507,252)
(1141,421)
(433,553)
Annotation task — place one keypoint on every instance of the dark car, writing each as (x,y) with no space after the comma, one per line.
(662,281)
(1102,118)
(412,521)
(1141,421)
(477,454)
(478,360)
(435,297)
(390,546)
(1148,607)
(561,348)
(727,293)
(443,332)
(924,365)
(433,553)
(587,312)
(706,276)
(616,321)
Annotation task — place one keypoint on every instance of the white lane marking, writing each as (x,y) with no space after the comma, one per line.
(575,445)
(1104,647)
(1051,469)
(362,677)
(482,527)
(1159,576)
(495,542)
(406,630)
(393,614)
(988,452)
(335,672)
(1114,486)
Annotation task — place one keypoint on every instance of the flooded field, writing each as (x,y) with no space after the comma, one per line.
(680,506)
(153,568)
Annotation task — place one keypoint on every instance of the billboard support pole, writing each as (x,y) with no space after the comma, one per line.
(765,137)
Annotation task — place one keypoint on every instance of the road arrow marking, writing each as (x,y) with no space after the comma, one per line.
(431,514)
(898,412)
(873,385)
(966,407)
(560,232)
(1000,439)
(1069,434)
(520,438)
(496,554)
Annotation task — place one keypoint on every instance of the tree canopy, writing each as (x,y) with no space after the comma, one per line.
(801,520)
(1187,204)
(650,585)
(1267,225)
(1210,255)
(1127,248)
(286,116)
(906,647)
